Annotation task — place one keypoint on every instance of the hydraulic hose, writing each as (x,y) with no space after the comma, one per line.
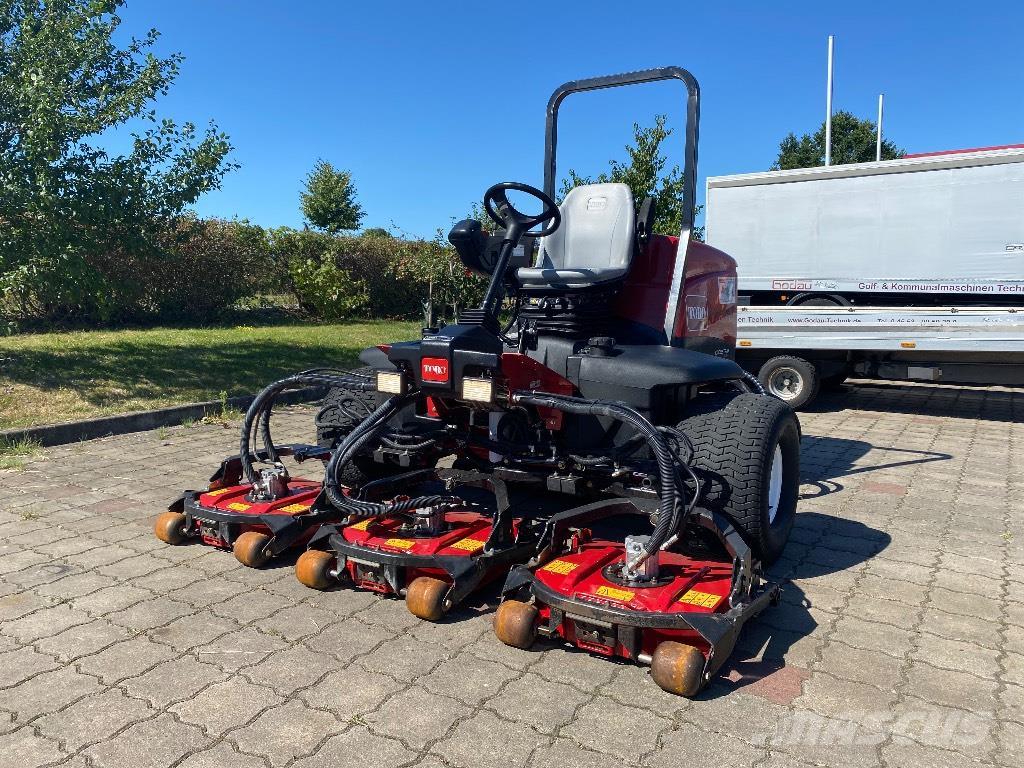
(265,436)
(266,397)
(369,430)
(668,491)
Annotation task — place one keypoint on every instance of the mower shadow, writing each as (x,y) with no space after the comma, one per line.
(760,659)
(823,460)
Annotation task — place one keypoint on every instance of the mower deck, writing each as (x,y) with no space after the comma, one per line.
(581,598)
(228,518)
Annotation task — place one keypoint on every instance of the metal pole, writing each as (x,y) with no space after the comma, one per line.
(828,104)
(878,142)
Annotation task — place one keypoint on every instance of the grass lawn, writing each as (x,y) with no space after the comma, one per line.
(53,377)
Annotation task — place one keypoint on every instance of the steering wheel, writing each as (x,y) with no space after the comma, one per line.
(496,203)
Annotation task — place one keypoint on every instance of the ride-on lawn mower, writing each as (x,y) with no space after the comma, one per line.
(612,446)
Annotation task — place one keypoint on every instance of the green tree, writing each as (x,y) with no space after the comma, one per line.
(329,200)
(648,175)
(65,203)
(853,141)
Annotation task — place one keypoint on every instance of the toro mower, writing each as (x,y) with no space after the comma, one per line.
(601,436)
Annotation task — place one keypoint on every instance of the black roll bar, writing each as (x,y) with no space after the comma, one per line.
(632,78)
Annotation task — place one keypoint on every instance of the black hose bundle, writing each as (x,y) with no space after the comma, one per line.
(260,407)
(355,441)
(668,508)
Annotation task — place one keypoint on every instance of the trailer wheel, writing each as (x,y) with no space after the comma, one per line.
(791,379)
(747,453)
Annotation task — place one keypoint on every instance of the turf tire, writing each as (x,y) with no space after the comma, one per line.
(734,438)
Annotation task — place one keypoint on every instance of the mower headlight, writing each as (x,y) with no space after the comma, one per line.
(478,390)
(391,383)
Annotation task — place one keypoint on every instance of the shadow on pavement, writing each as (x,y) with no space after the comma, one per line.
(823,460)
(926,401)
(759,662)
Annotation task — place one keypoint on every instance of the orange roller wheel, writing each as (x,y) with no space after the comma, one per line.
(678,668)
(515,623)
(170,527)
(314,567)
(425,598)
(250,549)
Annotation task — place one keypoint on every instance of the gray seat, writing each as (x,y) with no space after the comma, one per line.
(593,245)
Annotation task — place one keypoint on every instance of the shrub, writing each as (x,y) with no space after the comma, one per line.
(326,290)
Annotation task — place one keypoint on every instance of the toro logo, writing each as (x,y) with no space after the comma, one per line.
(434,369)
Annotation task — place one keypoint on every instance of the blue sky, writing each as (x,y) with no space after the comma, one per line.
(429,103)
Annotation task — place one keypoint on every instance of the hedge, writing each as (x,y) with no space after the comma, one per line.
(198,268)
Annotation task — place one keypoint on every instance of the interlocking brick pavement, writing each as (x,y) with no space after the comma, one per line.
(899,640)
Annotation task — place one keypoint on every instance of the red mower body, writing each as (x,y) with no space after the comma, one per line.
(232,506)
(705,309)
(684,586)
(464,536)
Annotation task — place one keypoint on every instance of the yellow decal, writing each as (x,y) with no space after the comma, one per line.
(238,506)
(399,543)
(294,508)
(470,545)
(705,599)
(615,594)
(560,566)
(218,492)
(362,525)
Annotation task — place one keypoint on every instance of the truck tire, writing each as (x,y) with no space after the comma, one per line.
(747,454)
(793,380)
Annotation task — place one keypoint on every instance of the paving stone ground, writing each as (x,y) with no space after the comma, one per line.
(899,642)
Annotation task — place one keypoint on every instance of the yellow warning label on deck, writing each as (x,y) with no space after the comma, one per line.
(291,509)
(238,506)
(399,543)
(705,599)
(218,492)
(615,593)
(362,525)
(560,566)
(470,545)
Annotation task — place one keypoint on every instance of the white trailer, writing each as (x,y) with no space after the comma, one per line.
(796,350)
(924,230)
(908,269)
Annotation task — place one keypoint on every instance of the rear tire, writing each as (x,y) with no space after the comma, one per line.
(747,453)
(793,380)
(341,411)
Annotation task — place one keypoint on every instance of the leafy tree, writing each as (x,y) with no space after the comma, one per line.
(65,203)
(853,141)
(329,201)
(377,232)
(646,175)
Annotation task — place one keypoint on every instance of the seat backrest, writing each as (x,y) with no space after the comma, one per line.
(596,232)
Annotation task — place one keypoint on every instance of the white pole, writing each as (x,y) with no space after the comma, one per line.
(878,143)
(828,104)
